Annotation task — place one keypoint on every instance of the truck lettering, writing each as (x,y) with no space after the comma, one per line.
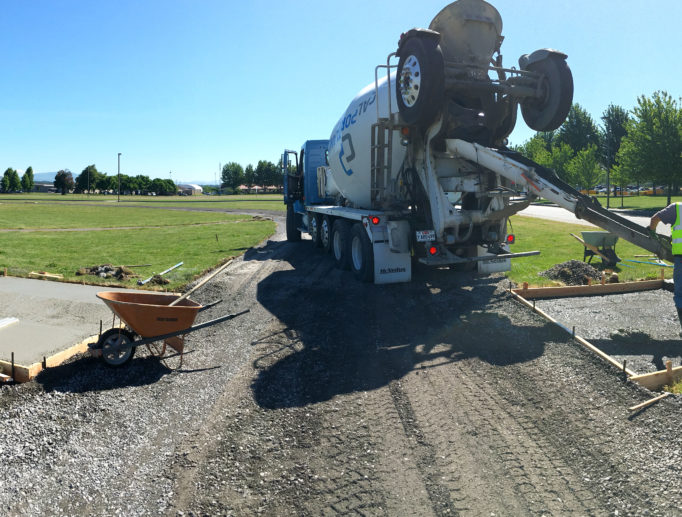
(390,270)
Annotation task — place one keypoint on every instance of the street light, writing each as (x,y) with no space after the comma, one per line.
(119,178)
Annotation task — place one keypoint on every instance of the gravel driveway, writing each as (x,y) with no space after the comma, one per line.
(439,397)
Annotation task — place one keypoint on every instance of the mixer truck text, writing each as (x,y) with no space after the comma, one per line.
(417,167)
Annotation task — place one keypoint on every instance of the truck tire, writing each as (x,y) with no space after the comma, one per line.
(326,233)
(420,81)
(293,233)
(361,254)
(341,243)
(314,225)
(549,112)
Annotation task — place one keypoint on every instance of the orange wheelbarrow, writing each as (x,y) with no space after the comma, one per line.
(149,318)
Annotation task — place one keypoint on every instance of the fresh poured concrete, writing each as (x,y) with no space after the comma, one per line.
(53,316)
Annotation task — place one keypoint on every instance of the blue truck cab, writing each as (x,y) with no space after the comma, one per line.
(300,182)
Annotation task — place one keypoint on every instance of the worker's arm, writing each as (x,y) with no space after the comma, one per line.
(654,223)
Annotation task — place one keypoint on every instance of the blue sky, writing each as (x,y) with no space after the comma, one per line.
(180,86)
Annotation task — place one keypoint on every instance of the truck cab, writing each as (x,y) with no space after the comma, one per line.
(301,182)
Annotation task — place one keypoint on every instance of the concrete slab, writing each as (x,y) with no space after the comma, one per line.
(53,316)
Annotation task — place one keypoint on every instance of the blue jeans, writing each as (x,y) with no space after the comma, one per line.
(677,278)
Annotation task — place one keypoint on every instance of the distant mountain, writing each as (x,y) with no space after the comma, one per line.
(44,177)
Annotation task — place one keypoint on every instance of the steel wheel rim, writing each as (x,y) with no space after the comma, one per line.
(115,351)
(325,233)
(410,81)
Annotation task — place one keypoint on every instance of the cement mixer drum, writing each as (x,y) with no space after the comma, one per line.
(470,32)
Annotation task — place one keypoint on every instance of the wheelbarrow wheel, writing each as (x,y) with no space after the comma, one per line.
(117,349)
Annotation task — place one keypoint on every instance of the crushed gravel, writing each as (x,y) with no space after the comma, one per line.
(443,396)
(572,272)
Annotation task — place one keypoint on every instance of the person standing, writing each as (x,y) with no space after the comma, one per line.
(672,215)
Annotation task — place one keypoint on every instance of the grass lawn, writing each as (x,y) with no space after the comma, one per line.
(246,201)
(555,244)
(48,215)
(162,238)
(639,202)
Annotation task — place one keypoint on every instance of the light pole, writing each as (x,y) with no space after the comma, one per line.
(119,178)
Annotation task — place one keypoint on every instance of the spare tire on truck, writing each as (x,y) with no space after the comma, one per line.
(420,80)
(549,112)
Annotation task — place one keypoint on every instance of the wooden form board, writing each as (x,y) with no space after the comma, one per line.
(530,293)
(23,373)
(656,380)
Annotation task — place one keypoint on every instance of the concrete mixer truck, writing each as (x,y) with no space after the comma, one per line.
(417,167)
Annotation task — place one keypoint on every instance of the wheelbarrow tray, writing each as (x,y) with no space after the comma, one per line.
(149,314)
(600,239)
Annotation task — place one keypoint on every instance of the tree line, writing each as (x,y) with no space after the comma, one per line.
(11,183)
(88,181)
(266,174)
(641,146)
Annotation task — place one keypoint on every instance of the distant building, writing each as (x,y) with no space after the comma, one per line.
(190,189)
(44,186)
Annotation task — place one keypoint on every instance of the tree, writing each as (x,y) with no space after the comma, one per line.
(584,168)
(63,181)
(5,184)
(27,182)
(10,181)
(615,120)
(87,179)
(267,173)
(249,176)
(652,148)
(143,183)
(163,187)
(232,176)
(578,131)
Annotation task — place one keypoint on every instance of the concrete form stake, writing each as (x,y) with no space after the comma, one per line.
(625,375)
(573,331)
(13,376)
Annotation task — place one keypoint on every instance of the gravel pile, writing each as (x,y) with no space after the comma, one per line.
(107,271)
(572,272)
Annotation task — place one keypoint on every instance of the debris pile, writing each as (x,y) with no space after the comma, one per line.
(107,271)
(572,272)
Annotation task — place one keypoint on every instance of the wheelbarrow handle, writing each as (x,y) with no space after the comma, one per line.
(209,305)
(147,340)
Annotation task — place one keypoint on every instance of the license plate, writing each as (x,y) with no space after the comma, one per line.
(426,235)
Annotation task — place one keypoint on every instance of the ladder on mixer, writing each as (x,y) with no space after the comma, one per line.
(381,152)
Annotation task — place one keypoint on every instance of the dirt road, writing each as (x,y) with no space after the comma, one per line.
(438,397)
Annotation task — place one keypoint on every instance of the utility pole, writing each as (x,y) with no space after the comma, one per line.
(119,178)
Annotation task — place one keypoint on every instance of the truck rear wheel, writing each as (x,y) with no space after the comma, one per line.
(361,254)
(341,244)
(420,81)
(293,233)
(326,233)
(315,230)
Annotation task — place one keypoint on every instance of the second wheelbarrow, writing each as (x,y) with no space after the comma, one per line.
(149,318)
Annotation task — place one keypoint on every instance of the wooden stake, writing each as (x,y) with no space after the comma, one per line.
(649,402)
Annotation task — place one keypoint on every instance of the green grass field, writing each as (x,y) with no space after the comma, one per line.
(250,201)
(555,244)
(134,233)
(63,239)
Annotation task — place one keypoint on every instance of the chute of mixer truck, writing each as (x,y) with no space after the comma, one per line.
(388,188)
